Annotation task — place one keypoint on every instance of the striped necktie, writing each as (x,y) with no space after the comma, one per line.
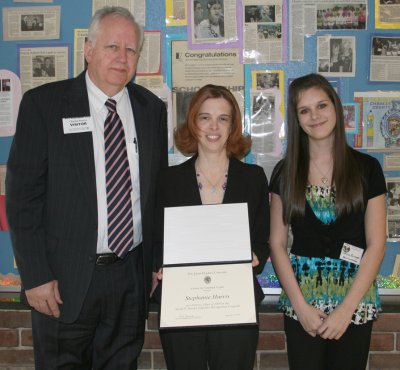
(118,184)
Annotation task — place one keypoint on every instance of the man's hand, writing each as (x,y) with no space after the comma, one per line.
(45,298)
(157,277)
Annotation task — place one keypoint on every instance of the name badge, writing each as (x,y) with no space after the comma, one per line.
(351,253)
(76,125)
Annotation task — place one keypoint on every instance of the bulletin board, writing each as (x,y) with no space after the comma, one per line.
(261,46)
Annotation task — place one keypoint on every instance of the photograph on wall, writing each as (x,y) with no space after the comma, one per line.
(5,85)
(192,69)
(213,24)
(209,20)
(336,56)
(379,126)
(336,17)
(384,58)
(259,13)
(266,111)
(41,64)
(31,23)
(350,115)
(263,123)
(393,207)
(387,14)
(262,31)
(267,80)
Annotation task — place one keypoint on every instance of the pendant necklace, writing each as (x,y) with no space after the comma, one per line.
(324,178)
(214,186)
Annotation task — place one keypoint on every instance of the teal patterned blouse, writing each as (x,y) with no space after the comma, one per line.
(325,281)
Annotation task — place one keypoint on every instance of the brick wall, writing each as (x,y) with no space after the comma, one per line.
(16,343)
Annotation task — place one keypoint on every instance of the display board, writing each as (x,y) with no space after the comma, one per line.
(258,47)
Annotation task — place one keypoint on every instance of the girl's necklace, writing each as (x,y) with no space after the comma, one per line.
(324,178)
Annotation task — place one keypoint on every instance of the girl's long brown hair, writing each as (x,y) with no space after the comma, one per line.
(293,171)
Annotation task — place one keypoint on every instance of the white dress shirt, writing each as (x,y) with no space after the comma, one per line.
(98,112)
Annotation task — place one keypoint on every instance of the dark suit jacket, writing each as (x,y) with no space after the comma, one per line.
(246,184)
(51,187)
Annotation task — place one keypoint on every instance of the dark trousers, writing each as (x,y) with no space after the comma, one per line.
(109,332)
(350,352)
(218,348)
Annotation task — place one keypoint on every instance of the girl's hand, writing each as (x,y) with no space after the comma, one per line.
(336,324)
(311,319)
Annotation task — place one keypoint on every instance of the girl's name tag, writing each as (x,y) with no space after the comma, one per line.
(351,253)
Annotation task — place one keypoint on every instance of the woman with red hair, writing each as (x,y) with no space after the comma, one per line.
(212,133)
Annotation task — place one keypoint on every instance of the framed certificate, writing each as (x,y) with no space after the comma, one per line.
(207,295)
(206,234)
(207,272)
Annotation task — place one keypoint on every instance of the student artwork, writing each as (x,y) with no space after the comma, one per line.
(380,120)
(350,115)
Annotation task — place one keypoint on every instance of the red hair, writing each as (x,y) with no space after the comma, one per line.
(186,135)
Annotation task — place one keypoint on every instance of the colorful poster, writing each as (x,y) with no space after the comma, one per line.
(380,120)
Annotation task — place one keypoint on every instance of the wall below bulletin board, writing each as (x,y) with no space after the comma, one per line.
(258,47)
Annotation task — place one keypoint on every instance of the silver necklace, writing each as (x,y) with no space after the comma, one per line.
(214,186)
(324,178)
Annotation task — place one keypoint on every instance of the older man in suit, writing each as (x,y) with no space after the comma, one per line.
(80,199)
